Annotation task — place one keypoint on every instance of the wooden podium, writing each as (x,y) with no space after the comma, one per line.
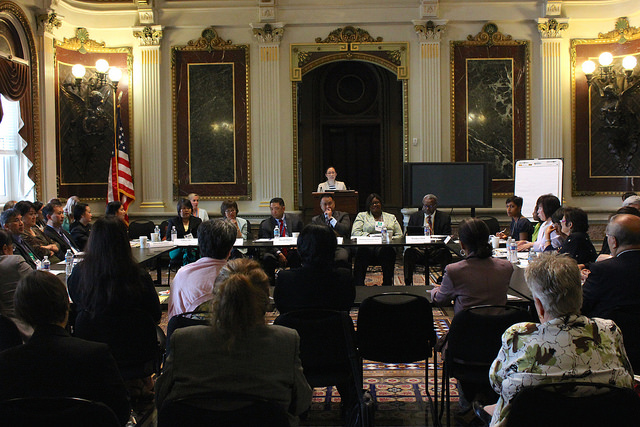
(346,201)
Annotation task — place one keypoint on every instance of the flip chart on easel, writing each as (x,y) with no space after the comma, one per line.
(536,177)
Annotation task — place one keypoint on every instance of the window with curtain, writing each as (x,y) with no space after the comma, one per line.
(14,165)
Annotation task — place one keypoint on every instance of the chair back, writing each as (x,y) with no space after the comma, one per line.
(492,224)
(184,320)
(9,333)
(396,328)
(475,334)
(163,229)
(627,317)
(140,227)
(131,336)
(222,409)
(56,411)
(326,342)
(574,404)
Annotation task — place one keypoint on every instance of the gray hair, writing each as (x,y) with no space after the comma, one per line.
(430,196)
(555,281)
(631,200)
(625,228)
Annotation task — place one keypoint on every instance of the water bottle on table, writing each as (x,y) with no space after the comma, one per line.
(68,262)
(276,232)
(174,234)
(46,264)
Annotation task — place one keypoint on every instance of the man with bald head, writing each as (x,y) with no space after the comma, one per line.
(616,281)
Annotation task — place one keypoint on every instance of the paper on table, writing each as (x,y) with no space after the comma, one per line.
(186,242)
(239,241)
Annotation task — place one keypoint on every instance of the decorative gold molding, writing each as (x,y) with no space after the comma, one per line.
(429,31)
(551,28)
(622,32)
(149,35)
(49,21)
(269,33)
(349,34)
(490,35)
(82,42)
(209,41)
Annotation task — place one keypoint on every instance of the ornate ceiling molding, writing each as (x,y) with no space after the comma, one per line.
(349,34)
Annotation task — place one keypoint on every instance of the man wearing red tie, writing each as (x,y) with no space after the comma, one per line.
(287,224)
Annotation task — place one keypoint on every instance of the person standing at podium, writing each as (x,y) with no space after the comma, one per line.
(331,184)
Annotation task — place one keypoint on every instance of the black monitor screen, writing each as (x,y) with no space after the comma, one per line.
(457,185)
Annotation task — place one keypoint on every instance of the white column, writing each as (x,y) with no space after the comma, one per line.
(150,120)
(430,98)
(551,84)
(267,142)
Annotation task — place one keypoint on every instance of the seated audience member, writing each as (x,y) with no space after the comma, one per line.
(9,205)
(239,352)
(565,346)
(287,223)
(547,205)
(339,222)
(520,228)
(68,212)
(479,279)
(192,288)
(115,209)
(229,211)
(440,223)
(554,237)
(186,225)
(12,269)
(318,283)
(109,284)
(331,184)
(627,194)
(41,244)
(40,222)
(371,222)
(575,224)
(633,201)
(53,213)
(81,226)
(605,251)
(52,363)
(616,281)
(197,212)
(11,221)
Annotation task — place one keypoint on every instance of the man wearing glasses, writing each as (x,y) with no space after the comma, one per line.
(440,224)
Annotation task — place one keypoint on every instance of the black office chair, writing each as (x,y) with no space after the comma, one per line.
(398,328)
(165,259)
(140,227)
(574,404)
(56,411)
(627,317)
(472,344)
(327,346)
(492,224)
(132,336)
(9,333)
(222,409)
(184,320)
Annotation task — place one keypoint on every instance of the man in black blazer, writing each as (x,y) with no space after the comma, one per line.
(54,215)
(440,223)
(288,224)
(11,220)
(615,281)
(339,222)
(53,363)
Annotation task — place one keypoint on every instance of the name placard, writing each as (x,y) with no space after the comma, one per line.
(369,240)
(417,239)
(285,241)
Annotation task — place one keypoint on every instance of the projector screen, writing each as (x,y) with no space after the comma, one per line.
(457,185)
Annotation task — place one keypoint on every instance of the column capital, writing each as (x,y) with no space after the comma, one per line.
(49,22)
(552,28)
(149,35)
(429,31)
(268,33)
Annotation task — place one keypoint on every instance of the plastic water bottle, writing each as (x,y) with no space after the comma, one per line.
(157,231)
(68,262)
(46,264)
(385,234)
(174,234)
(276,231)
(514,251)
(427,230)
(532,255)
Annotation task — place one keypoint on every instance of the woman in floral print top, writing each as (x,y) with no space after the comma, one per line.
(564,347)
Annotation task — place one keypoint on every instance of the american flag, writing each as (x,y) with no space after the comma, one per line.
(120,180)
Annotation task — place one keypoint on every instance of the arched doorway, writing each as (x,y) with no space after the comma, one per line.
(350,116)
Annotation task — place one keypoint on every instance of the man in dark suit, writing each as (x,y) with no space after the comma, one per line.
(54,215)
(11,220)
(440,223)
(616,281)
(339,222)
(53,363)
(287,224)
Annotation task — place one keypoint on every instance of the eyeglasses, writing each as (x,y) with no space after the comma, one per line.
(229,211)
(430,206)
(375,203)
(185,209)
(563,221)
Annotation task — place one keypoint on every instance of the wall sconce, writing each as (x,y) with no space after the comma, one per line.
(102,72)
(610,78)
